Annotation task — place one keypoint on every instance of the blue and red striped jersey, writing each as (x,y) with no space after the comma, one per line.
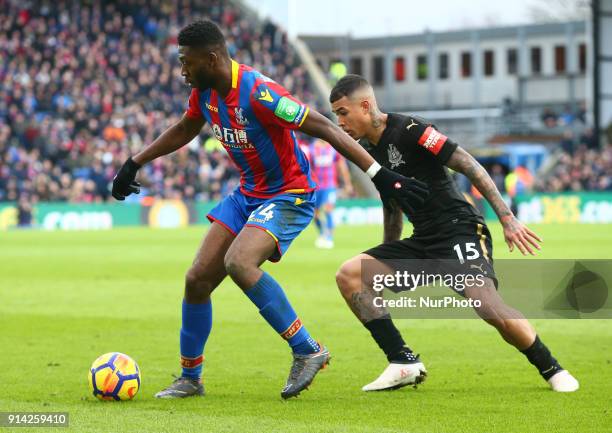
(255,124)
(324,159)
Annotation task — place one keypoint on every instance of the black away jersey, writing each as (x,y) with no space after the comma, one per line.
(414,148)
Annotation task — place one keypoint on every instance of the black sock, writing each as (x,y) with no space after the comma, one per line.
(539,355)
(389,340)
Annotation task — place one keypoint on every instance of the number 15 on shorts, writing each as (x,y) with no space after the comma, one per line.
(471,253)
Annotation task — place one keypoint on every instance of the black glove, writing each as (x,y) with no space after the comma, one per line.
(408,194)
(124,183)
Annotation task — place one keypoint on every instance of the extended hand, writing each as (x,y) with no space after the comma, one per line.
(516,233)
(124,182)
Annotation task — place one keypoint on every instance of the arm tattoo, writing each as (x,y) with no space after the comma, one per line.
(393,224)
(465,163)
(362,305)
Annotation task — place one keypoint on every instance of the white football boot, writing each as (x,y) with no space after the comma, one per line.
(563,381)
(324,243)
(397,376)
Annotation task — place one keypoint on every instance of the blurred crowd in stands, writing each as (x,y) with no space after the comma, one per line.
(581,165)
(84,84)
(581,169)
(572,168)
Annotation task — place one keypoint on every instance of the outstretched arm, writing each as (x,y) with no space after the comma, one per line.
(317,125)
(515,232)
(409,194)
(173,138)
(345,175)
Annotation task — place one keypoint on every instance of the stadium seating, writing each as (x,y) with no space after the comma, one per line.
(83,85)
(86,84)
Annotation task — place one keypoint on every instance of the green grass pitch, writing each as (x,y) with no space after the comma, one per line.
(67,297)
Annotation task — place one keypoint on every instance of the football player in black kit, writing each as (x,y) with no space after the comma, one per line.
(447,227)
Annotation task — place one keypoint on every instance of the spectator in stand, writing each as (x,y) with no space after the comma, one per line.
(24,212)
(589,139)
(567,116)
(499,178)
(549,118)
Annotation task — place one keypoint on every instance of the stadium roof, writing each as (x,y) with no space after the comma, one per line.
(324,43)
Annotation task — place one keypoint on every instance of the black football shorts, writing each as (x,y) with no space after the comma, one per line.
(462,248)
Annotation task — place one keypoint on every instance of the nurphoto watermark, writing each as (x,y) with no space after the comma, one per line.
(563,289)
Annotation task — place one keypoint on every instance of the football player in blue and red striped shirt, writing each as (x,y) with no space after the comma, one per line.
(254,118)
(328,165)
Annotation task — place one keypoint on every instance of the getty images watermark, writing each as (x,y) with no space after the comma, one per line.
(400,281)
(563,289)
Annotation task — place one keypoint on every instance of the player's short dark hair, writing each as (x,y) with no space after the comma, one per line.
(201,33)
(346,86)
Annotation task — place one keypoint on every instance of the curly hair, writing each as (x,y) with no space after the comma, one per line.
(201,33)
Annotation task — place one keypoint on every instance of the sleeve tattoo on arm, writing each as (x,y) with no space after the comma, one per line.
(515,232)
(465,163)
